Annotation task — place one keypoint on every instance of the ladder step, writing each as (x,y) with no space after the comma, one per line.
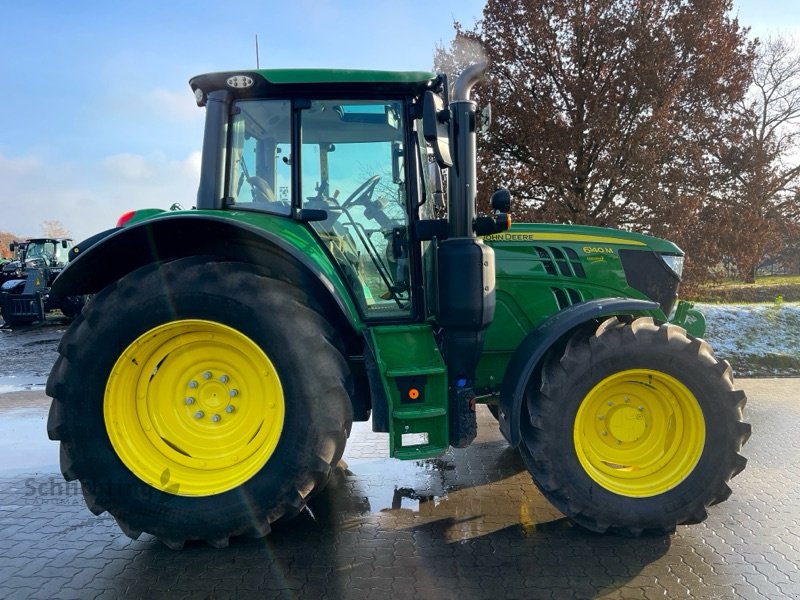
(405,372)
(427,451)
(418,413)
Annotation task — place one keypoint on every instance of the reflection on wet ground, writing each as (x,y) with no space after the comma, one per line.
(467,525)
(27,354)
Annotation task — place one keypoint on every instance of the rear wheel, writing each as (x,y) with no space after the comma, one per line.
(635,428)
(199,414)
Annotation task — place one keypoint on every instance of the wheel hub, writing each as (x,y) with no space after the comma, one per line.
(639,432)
(225,417)
(214,394)
(626,424)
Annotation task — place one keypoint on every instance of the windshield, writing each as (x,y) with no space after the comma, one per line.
(47,253)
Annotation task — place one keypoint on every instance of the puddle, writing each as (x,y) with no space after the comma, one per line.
(24,446)
(462,495)
(26,357)
(22,383)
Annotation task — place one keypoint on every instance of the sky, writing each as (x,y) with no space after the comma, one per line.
(96,114)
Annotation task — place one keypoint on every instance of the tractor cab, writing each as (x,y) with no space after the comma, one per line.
(48,252)
(342,151)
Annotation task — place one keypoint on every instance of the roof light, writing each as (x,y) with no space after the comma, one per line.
(240,81)
(198,96)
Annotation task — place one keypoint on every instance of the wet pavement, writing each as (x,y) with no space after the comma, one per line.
(27,354)
(469,524)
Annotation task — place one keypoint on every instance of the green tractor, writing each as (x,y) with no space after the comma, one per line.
(209,387)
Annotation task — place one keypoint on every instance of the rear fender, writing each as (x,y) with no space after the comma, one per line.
(528,356)
(106,257)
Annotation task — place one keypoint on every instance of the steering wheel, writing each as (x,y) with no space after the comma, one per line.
(262,191)
(363,193)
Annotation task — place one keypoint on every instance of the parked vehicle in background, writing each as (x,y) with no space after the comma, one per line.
(25,285)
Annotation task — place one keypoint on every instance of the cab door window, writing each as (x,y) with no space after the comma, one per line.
(352,165)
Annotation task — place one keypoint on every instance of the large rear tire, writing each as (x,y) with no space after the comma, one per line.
(199,400)
(636,428)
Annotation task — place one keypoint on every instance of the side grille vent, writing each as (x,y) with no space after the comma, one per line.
(560,261)
(566,297)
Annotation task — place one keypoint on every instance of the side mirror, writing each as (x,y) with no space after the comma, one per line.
(11,246)
(501,201)
(436,127)
(397,156)
(64,244)
(437,186)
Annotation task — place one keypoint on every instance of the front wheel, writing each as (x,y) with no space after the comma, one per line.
(635,428)
(199,400)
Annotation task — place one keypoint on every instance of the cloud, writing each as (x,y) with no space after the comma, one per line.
(130,167)
(156,106)
(171,104)
(90,197)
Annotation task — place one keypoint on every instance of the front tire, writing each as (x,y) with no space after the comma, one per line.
(199,400)
(636,428)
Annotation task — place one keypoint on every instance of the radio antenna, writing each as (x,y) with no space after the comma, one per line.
(258,65)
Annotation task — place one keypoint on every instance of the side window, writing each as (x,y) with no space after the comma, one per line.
(62,255)
(353,168)
(260,174)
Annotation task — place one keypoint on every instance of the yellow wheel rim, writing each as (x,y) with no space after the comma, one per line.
(639,433)
(194,408)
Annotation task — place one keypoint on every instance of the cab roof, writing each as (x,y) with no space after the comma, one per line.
(288,82)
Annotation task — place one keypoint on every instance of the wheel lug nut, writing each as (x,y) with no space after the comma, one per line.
(207,375)
(601,417)
(233,393)
(193,384)
(641,409)
(610,403)
(604,433)
(199,414)
(229,408)
(216,418)
(189,400)
(224,379)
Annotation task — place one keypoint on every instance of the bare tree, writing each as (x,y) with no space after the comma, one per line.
(763,160)
(54,229)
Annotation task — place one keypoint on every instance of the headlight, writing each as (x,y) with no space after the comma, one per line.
(675,263)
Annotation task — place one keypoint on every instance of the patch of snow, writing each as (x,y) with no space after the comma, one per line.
(756,338)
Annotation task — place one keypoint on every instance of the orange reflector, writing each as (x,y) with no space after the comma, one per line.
(413,393)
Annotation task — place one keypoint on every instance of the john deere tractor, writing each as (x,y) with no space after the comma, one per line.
(209,387)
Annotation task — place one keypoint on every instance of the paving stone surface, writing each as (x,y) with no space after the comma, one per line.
(469,524)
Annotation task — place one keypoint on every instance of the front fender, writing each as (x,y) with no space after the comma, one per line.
(13,286)
(258,239)
(529,354)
